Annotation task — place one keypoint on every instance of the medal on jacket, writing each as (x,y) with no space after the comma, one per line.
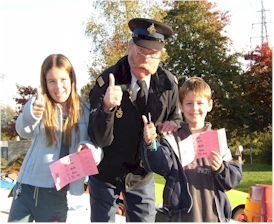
(119,112)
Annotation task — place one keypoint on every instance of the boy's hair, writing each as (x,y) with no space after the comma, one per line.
(198,86)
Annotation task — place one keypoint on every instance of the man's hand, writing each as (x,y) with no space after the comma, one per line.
(38,106)
(113,95)
(167,127)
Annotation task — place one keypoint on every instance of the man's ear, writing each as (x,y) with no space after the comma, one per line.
(210,105)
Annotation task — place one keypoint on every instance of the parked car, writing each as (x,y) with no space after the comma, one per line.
(237,200)
(258,206)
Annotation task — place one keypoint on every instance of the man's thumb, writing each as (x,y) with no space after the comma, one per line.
(111,80)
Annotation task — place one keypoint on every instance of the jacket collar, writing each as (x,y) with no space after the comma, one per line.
(207,127)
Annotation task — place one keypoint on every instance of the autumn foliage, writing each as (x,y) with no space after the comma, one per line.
(24,94)
(259,76)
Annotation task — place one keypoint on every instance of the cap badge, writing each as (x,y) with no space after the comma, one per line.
(151,29)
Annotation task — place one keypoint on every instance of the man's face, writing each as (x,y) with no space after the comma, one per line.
(143,61)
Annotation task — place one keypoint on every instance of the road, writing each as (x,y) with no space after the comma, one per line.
(79,209)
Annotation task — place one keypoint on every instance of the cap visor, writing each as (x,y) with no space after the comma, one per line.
(152,45)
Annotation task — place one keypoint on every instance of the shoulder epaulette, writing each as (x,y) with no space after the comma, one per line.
(100,81)
(175,79)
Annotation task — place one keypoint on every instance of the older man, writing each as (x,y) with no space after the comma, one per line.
(135,85)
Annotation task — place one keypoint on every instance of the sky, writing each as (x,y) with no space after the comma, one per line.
(30,30)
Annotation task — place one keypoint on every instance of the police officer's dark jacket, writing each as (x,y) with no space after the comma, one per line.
(120,131)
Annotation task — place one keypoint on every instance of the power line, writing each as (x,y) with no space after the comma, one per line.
(263,23)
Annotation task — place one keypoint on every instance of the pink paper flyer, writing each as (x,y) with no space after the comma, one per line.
(200,145)
(73,167)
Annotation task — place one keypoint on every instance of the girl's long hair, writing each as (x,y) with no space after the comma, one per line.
(51,107)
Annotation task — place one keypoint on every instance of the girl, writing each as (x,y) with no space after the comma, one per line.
(56,120)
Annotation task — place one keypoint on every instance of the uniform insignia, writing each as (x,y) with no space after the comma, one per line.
(175,80)
(119,113)
(100,81)
(151,29)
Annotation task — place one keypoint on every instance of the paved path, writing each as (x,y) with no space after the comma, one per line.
(79,209)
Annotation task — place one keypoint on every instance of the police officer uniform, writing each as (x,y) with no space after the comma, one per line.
(120,131)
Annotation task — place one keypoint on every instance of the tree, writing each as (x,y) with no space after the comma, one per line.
(256,85)
(24,93)
(7,123)
(200,48)
(85,91)
(109,32)
(10,116)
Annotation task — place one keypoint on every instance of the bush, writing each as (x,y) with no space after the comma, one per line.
(260,142)
(266,152)
(13,166)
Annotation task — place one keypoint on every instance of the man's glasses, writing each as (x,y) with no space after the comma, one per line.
(141,52)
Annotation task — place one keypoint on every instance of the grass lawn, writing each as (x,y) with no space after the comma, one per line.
(255,173)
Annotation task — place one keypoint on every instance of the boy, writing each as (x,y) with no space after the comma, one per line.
(195,192)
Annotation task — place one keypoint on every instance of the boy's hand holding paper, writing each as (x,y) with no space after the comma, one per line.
(200,145)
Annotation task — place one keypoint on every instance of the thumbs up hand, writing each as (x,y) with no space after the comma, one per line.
(149,130)
(113,95)
(38,106)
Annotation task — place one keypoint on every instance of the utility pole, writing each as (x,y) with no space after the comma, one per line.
(263,23)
